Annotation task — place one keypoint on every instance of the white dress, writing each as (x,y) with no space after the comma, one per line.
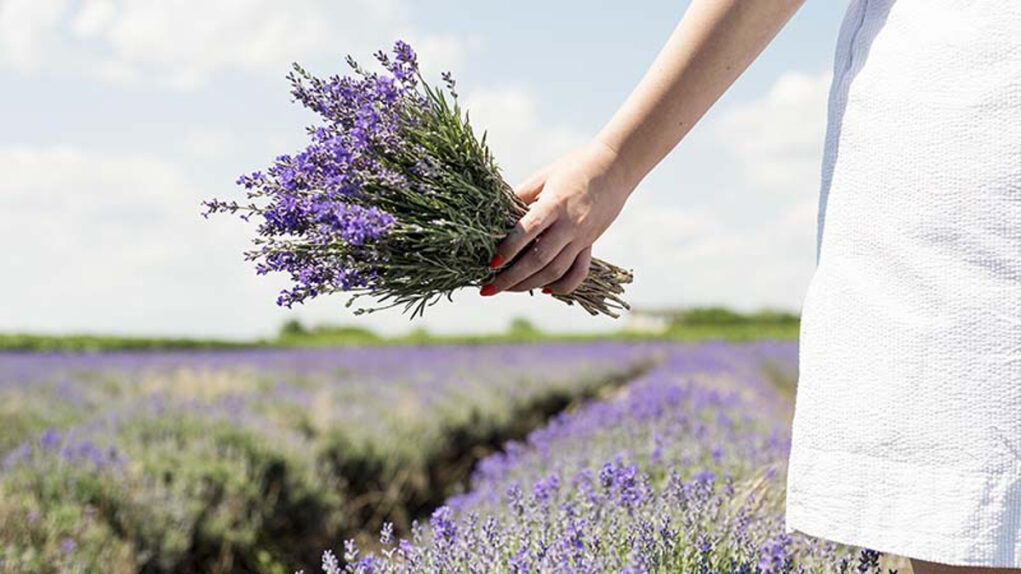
(906,435)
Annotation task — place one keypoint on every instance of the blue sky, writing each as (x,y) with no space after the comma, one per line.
(120,116)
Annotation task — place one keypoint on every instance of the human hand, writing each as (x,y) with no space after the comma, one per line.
(571,203)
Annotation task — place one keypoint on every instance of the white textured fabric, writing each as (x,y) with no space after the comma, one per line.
(907,420)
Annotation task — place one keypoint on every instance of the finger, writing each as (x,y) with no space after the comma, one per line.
(574,276)
(530,188)
(553,271)
(539,254)
(538,218)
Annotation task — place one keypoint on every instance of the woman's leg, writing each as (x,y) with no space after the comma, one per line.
(923,567)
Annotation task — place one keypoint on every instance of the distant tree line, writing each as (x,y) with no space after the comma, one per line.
(725,316)
(692,323)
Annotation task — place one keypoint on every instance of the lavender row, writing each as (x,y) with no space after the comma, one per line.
(683,471)
(247,460)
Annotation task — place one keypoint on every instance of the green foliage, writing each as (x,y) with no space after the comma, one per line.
(738,332)
(445,201)
(292,328)
(205,490)
(93,343)
(294,333)
(199,495)
(521,327)
(710,316)
(720,316)
(38,535)
(695,324)
(20,421)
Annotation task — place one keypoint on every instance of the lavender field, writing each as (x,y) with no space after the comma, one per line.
(568,457)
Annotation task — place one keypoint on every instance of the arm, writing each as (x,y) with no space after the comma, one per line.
(574,200)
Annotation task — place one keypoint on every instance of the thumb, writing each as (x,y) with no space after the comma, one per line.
(529,190)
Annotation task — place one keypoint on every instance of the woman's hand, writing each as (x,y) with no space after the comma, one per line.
(574,200)
(571,203)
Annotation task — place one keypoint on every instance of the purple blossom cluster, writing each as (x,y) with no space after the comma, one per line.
(317,209)
(197,437)
(63,449)
(357,389)
(683,471)
(394,197)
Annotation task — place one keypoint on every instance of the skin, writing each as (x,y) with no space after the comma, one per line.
(573,200)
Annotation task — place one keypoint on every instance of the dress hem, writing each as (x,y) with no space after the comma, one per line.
(877,506)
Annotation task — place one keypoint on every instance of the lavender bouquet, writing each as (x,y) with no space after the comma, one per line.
(394,197)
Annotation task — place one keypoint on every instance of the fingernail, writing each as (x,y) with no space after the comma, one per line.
(496,261)
(546,290)
(487,290)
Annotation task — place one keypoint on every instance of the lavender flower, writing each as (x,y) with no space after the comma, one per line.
(393,197)
(330,563)
(584,494)
(50,439)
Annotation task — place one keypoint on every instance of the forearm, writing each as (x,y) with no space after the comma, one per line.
(711,46)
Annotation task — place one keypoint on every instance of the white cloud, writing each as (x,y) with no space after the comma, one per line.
(93,18)
(779,142)
(521,140)
(698,252)
(207,143)
(25,26)
(778,137)
(684,255)
(113,241)
(183,44)
(692,251)
(438,54)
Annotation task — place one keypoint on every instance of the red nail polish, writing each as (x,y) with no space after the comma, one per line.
(496,261)
(546,290)
(487,290)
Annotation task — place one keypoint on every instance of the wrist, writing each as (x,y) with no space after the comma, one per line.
(621,177)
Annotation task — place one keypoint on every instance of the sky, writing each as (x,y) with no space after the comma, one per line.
(118,117)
